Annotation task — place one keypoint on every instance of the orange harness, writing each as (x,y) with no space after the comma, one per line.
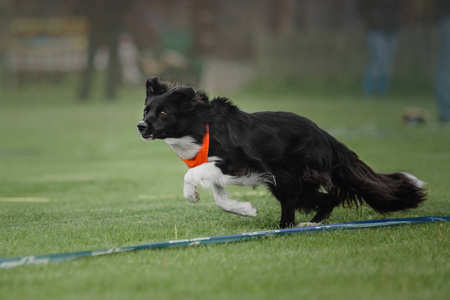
(202,155)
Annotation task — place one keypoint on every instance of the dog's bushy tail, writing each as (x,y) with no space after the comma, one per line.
(356,183)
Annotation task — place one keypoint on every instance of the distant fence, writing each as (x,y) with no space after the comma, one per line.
(52,45)
(319,55)
(339,55)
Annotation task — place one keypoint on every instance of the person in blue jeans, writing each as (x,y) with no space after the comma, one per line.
(382,19)
(443,69)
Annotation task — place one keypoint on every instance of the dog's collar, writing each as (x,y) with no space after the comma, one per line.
(202,155)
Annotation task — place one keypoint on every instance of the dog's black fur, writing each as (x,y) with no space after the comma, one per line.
(309,170)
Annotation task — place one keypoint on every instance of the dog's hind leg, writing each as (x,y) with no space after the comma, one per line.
(287,214)
(324,203)
(209,176)
(288,203)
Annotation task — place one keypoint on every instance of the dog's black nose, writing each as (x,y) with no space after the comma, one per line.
(142,126)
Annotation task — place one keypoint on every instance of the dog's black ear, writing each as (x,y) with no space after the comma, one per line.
(202,96)
(186,97)
(155,86)
(184,94)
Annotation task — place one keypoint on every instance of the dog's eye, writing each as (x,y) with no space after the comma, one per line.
(145,112)
(162,113)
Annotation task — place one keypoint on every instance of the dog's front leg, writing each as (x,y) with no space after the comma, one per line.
(209,176)
(204,175)
(231,205)
(190,187)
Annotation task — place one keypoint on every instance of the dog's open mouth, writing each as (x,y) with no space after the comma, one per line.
(148,136)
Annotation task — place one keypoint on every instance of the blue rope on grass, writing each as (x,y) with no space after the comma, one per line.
(45,259)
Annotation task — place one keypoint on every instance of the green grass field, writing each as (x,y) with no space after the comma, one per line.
(78,177)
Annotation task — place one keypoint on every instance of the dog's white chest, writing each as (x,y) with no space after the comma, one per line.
(184,147)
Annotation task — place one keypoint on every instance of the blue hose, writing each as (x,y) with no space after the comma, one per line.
(45,259)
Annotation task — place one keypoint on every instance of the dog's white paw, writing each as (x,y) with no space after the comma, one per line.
(250,210)
(190,193)
(308,224)
(245,209)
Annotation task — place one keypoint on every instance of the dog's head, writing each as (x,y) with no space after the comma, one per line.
(168,111)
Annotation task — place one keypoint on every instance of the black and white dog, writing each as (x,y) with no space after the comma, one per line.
(304,167)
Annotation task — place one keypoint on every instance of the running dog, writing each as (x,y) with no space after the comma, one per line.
(303,166)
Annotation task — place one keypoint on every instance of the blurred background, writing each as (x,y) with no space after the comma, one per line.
(217,45)
(72,89)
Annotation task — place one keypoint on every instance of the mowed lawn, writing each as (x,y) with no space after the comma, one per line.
(76,176)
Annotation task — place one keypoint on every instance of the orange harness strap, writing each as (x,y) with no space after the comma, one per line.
(202,155)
